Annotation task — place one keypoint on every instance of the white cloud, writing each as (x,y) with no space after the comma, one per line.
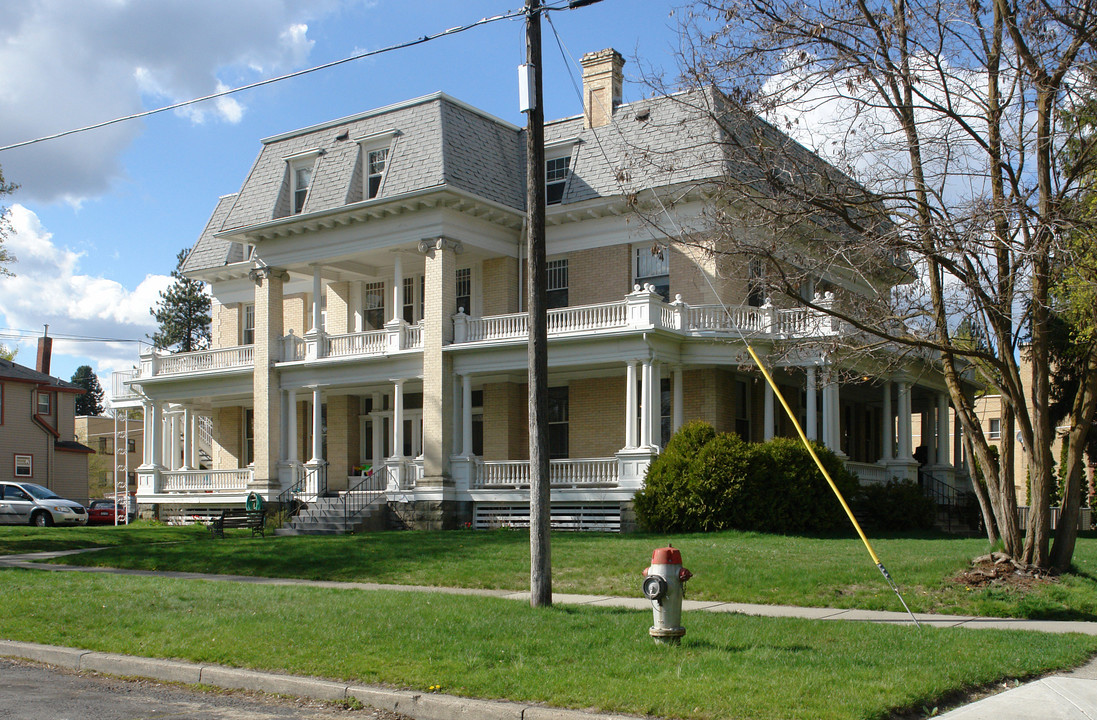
(65,65)
(49,289)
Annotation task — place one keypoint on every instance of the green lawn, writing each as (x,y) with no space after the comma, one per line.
(729,566)
(727,666)
(25,539)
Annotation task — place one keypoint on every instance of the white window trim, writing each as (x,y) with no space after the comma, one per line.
(384,140)
(555,151)
(295,162)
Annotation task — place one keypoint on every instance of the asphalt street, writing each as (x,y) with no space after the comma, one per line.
(29,691)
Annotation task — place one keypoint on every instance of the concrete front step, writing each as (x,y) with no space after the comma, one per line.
(324,516)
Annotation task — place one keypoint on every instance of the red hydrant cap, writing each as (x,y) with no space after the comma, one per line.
(666,556)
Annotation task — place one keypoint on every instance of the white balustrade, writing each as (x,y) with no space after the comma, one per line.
(413,337)
(581,318)
(198,481)
(203,360)
(509,474)
(371,342)
(118,388)
(870,472)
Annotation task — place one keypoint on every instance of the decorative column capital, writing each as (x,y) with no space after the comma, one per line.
(428,246)
(261,272)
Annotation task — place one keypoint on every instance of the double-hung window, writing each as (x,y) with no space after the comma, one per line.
(44,403)
(556,285)
(556,179)
(373,297)
(375,155)
(653,267)
(247,336)
(464,290)
(24,466)
(301,167)
(376,160)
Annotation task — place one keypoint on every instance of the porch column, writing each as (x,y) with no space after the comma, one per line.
(645,405)
(630,405)
(904,449)
(317,426)
(957,442)
(291,426)
(656,403)
(466,416)
(266,395)
(398,420)
(767,416)
(176,441)
(811,410)
(439,307)
(397,287)
(678,412)
(188,439)
(828,417)
(356,305)
(942,429)
(888,430)
(155,433)
(317,294)
(378,432)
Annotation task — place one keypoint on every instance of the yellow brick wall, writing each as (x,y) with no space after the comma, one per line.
(598,275)
(499,279)
(228,437)
(709,395)
(295,314)
(344,438)
(506,421)
(596,417)
(226,325)
(339,317)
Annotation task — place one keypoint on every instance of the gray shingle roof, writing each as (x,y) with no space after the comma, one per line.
(13,371)
(211,251)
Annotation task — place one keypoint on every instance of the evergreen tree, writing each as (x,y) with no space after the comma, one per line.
(6,258)
(91,402)
(183,313)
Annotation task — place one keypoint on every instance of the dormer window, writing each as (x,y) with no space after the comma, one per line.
(376,162)
(301,168)
(556,179)
(375,150)
(302,178)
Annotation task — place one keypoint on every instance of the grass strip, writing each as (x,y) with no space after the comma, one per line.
(17,539)
(582,657)
(728,566)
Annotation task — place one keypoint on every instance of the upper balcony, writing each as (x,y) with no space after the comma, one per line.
(640,310)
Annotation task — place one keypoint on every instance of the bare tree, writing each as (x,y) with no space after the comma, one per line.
(946,200)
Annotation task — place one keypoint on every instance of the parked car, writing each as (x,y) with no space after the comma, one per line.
(27,503)
(102,512)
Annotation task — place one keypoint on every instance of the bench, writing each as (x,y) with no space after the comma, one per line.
(254,520)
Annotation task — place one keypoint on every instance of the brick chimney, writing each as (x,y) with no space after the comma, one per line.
(45,350)
(602,78)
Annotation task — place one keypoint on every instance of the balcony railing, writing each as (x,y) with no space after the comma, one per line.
(514,474)
(201,481)
(119,390)
(155,364)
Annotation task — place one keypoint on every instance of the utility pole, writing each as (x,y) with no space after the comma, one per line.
(540,569)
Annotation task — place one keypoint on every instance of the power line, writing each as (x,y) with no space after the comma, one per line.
(15,334)
(509,15)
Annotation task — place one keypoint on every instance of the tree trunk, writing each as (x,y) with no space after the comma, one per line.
(1081,417)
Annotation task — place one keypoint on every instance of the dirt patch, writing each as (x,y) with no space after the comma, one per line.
(998,569)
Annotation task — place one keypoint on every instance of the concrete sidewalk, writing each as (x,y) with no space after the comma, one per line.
(1067,696)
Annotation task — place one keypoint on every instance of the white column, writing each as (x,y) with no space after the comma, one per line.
(904,449)
(356,303)
(317,426)
(378,432)
(397,288)
(456,420)
(810,409)
(942,429)
(645,406)
(828,417)
(176,440)
(317,298)
(291,425)
(155,434)
(189,435)
(466,416)
(767,415)
(957,442)
(656,403)
(888,429)
(630,405)
(398,420)
(836,417)
(678,412)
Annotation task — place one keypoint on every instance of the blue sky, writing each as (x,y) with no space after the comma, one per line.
(100,216)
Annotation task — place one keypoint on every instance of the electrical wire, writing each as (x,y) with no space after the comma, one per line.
(569,63)
(509,15)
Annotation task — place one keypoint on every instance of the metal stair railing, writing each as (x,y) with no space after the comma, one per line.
(367,492)
(288,503)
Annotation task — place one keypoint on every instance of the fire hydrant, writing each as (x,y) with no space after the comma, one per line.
(665,585)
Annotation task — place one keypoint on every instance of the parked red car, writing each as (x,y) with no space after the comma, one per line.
(101,512)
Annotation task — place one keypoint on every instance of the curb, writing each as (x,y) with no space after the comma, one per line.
(418,705)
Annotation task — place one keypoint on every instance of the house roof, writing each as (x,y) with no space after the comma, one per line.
(19,373)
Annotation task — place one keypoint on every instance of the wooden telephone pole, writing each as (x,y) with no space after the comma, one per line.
(540,569)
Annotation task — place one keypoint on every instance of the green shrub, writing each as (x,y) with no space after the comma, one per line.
(896,505)
(707,481)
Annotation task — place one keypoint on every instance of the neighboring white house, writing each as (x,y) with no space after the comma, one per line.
(368,311)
